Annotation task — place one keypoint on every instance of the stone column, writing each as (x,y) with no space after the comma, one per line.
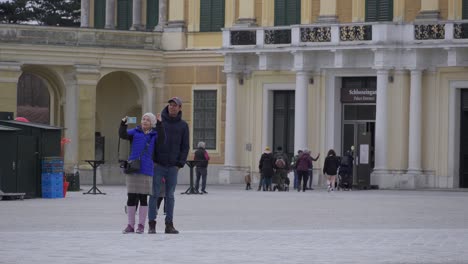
(246,13)
(429,10)
(176,14)
(9,76)
(84,13)
(327,11)
(230,128)
(87,77)
(110,14)
(415,117)
(136,12)
(381,121)
(162,20)
(71,117)
(301,111)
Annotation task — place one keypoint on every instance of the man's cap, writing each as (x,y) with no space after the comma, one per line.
(267,150)
(175,100)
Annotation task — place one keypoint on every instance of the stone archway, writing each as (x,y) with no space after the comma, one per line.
(39,93)
(118,94)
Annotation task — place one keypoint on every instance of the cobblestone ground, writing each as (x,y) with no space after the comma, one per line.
(231,225)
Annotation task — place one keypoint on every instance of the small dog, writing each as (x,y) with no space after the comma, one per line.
(247,180)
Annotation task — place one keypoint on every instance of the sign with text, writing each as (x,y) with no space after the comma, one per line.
(358,95)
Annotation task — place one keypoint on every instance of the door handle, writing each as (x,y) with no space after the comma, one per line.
(13,166)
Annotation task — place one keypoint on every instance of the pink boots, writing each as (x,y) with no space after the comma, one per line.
(142,213)
(131,220)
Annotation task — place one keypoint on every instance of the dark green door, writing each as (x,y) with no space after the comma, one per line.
(8,182)
(364,155)
(464,140)
(152,14)
(99,13)
(283,121)
(27,169)
(124,14)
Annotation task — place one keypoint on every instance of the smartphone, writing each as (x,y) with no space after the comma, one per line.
(131,120)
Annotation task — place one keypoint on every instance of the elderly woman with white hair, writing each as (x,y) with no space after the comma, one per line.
(140,184)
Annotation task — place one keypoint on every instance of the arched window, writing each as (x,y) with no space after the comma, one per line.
(33,99)
(99,13)
(211,15)
(379,10)
(287,12)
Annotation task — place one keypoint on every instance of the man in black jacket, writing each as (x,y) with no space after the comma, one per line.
(168,159)
(202,158)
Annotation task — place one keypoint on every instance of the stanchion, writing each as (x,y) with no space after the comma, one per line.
(191,189)
(94,164)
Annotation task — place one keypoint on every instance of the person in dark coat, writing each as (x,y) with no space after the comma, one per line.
(265,166)
(202,158)
(139,185)
(169,158)
(330,168)
(303,166)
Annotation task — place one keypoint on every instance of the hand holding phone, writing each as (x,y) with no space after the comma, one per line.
(131,120)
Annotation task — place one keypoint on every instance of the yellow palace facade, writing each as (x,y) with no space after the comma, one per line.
(385,78)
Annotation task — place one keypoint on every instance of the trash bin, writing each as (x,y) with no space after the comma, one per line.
(74,181)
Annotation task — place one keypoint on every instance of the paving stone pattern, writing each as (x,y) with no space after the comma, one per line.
(231,225)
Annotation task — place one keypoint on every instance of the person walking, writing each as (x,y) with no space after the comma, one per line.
(303,164)
(139,184)
(293,166)
(311,170)
(281,169)
(169,157)
(265,166)
(202,158)
(330,168)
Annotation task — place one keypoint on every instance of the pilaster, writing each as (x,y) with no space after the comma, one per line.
(176,15)
(9,76)
(328,11)
(429,10)
(246,13)
(359,11)
(87,77)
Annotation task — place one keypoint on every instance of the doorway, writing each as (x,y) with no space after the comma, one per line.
(283,121)
(464,139)
(358,137)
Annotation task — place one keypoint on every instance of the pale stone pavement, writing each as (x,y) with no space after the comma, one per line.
(231,225)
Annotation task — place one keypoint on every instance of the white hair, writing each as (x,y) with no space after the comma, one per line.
(201,144)
(151,117)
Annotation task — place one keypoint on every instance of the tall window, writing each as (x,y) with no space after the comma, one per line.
(152,14)
(211,15)
(287,12)
(99,13)
(204,118)
(465,9)
(379,10)
(124,14)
